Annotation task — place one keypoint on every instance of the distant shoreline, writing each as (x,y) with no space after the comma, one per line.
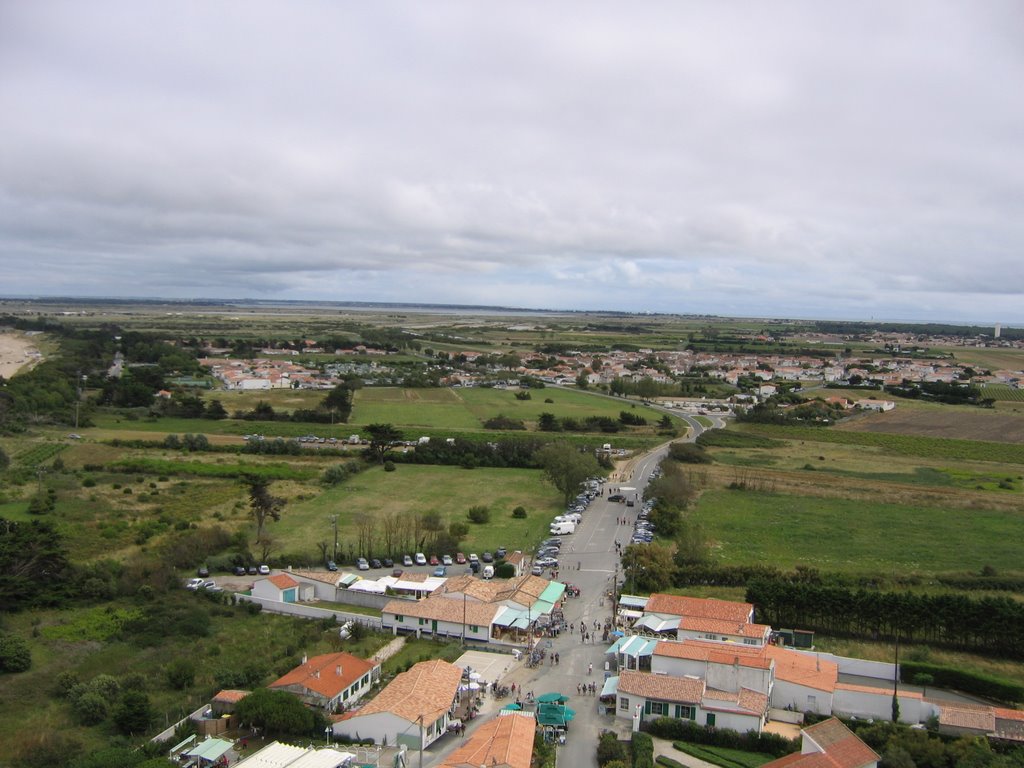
(17,353)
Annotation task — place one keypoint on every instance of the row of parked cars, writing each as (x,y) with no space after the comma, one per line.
(546,555)
(643,529)
(364,564)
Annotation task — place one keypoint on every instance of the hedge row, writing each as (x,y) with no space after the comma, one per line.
(751,741)
(975,683)
(642,749)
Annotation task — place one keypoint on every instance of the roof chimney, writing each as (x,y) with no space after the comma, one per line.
(337,670)
(304,659)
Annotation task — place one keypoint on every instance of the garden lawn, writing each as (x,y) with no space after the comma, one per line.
(727,758)
(451,491)
(835,534)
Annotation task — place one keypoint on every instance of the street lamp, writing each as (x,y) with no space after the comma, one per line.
(327,731)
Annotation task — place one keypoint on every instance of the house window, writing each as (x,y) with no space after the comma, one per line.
(623,703)
(422,622)
(686,712)
(474,628)
(399,617)
(659,708)
(750,641)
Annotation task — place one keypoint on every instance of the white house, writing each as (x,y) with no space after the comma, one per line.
(282,588)
(414,709)
(828,743)
(688,698)
(330,681)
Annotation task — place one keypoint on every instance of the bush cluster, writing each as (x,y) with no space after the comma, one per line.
(751,741)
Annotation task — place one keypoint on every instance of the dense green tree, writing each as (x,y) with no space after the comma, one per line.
(5,460)
(547,422)
(34,568)
(382,436)
(215,410)
(279,713)
(133,713)
(180,673)
(566,468)
(91,708)
(338,402)
(649,567)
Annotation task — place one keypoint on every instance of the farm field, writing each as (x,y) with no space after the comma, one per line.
(856,536)
(449,491)
(962,423)
(1003,393)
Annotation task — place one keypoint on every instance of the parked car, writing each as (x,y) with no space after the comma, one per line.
(440,571)
(345,630)
(460,558)
(434,560)
(331,565)
(397,573)
(500,552)
(487,557)
(473,558)
(362,564)
(421,559)
(375,563)
(252,570)
(194,584)
(203,571)
(388,562)
(446,560)
(407,560)
(536,570)
(264,570)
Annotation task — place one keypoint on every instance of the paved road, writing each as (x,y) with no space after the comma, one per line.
(588,560)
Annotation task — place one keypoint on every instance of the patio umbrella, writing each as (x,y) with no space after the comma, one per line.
(474,686)
(513,707)
(475,676)
(618,633)
(552,698)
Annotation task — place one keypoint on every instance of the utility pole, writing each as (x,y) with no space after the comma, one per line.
(334,519)
(78,396)
(421,740)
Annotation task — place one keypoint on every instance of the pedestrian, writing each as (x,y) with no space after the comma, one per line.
(556,659)
(579,565)
(579,689)
(590,669)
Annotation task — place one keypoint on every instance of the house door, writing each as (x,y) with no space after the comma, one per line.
(433,626)
(711,719)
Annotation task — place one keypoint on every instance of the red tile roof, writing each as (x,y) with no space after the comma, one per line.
(326,675)
(703,607)
(686,690)
(803,669)
(718,653)
(283,581)
(723,627)
(503,741)
(427,688)
(231,696)
(828,744)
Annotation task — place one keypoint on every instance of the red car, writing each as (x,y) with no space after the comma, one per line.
(460,558)
(434,560)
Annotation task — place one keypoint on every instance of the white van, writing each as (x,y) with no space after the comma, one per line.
(488,572)
(560,529)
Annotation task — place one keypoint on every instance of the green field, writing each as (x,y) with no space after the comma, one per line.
(850,536)
(450,491)
(1003,392)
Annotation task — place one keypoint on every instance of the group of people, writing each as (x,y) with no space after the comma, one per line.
(587,688)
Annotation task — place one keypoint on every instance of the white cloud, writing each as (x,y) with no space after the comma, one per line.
(791,159)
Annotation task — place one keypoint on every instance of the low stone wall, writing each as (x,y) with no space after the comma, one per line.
(786,716)
(309,612)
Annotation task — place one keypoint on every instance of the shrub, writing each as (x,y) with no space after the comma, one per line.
(479,514)
(751,741)
(91,708)
(976,683)
(15,655)
(180,674)
(389,466)
(610,749)
(519,513)
(688,453)
(642,750)
(668,762)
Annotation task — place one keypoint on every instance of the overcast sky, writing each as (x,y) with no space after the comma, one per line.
(800,159)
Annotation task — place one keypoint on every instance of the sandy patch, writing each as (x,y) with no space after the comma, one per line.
(17,352)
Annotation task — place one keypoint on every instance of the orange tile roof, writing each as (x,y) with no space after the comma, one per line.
(327,675)
(503,741)
(795,667)
(427,688)
(904,693)
(968,717)
(231,696)
(1008,714)
(745,700)
(448,609)
(283,581)
(704,607)
(723,627)
(718,653)
(663,687)
(840,744)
